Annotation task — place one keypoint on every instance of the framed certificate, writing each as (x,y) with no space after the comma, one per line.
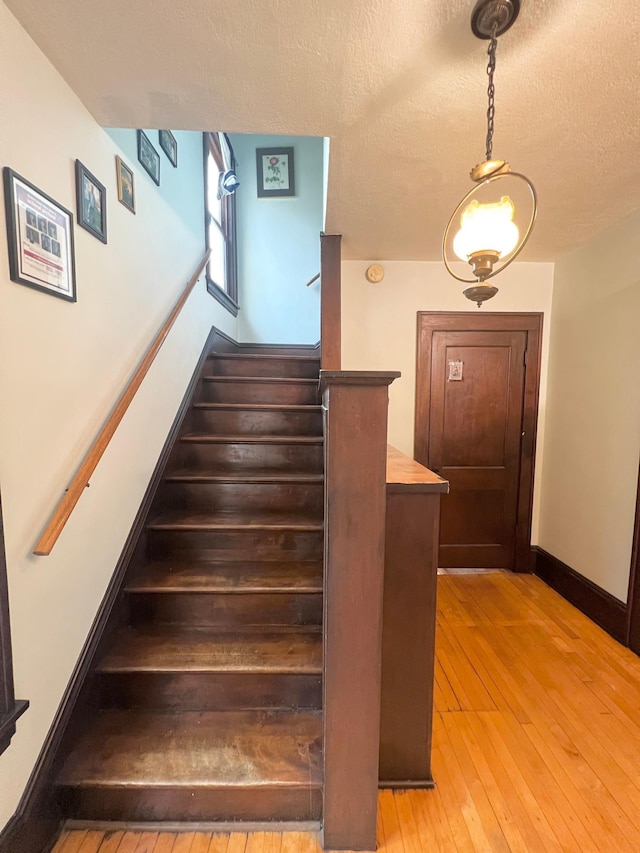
(40,238)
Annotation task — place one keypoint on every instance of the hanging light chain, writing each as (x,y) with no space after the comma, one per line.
(491,91)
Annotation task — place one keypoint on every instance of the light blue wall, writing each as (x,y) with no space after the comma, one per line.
(279,245)
(183,187)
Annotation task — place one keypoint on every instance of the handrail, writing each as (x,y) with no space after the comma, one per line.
(311,280)
(71,497)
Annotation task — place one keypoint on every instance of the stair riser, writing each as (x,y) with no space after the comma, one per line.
(239,457)
(297,578)
(226,610)
(253,422)
(178,803)
(236,545)
(210,691)
(257,392)
(286,367)
(241,497)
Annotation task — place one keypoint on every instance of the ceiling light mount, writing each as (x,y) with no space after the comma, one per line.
(479,293)
(492,18)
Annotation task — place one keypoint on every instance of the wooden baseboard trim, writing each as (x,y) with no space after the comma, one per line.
(37,821)
(225,343)
(600,606)
(217,827)
(413,784)
(221,342)
(14,829)
(33,832)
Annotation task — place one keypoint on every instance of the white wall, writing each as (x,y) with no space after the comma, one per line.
(592,441)
(62,366)
(379,329)
(279,245)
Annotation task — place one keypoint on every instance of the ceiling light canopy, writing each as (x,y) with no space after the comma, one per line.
(491,225)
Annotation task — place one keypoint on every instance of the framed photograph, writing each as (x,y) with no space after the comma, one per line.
(149,157)
(91,203)
(275,172)
(126,194)
(169,145)
(40,238)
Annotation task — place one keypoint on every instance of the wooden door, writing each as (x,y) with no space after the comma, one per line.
(472,425)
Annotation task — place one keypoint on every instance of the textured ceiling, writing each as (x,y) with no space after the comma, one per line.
(398,85)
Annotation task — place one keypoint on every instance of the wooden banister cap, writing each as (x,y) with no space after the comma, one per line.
(404,474)
(357,377)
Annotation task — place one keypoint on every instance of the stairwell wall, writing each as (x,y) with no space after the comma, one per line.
(279,244)
(63,365)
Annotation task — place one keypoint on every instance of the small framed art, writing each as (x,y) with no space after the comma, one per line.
(40,238)
(149,157)
(91,203)
(126,193)
(275,172)
(169,145)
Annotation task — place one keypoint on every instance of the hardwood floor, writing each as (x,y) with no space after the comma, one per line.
(536,741)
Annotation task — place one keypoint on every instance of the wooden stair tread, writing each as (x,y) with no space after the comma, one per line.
(241,577)
(267,380)
(231,520)
(267,475)
(247,438)
(217,749)
(181,649)
(260,407)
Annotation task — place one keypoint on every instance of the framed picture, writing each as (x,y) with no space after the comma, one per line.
(91,203)
(275,172)
(169,145)
(149,157)
(125,185)
(40,238)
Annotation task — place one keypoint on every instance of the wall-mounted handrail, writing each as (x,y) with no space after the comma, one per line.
(71,497)
(311,280)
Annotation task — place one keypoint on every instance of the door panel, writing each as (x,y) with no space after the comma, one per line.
(475,426)
(471,404)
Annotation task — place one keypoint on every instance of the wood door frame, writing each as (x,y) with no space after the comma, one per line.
(633,599)
(470,321)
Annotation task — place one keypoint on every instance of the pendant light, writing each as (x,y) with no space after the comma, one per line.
(491,225)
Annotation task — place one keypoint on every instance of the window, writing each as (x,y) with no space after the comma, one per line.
(10,710)
(220,223)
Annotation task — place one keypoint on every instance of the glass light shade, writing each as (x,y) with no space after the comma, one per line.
(487,228)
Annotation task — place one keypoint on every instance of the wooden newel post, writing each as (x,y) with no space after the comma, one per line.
(356,405)
(330,301)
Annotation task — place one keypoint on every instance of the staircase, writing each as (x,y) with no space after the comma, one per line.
(210,688)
